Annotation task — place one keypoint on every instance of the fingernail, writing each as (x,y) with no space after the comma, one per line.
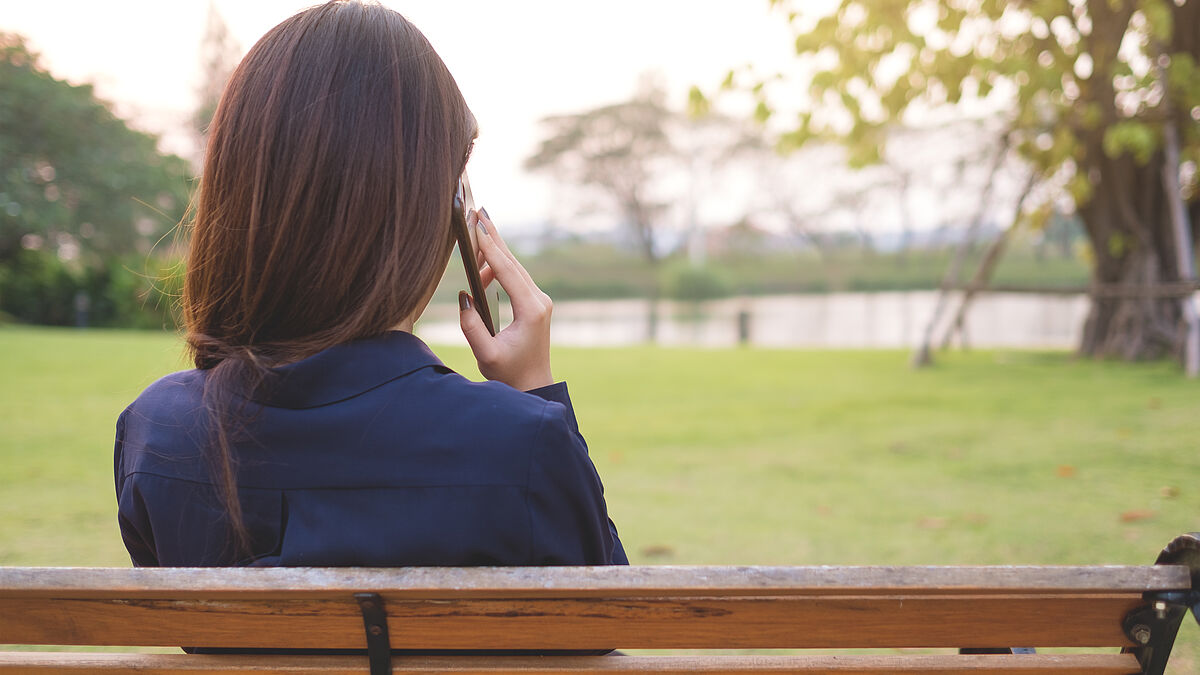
(472,216)
(485,213)
(480,225)
(464,301)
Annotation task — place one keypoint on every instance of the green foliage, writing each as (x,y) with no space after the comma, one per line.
(698,103)
(876,62)
(136,292)
(38,288)
(73,177)
(581,271)
(1135,138)
(132,292)
(685,281)
(1118,245)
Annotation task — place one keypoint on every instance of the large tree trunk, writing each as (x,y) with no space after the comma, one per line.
(1130,231)
(1128,219)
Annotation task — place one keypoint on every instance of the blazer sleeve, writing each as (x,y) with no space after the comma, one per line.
(131,510)
(568,517)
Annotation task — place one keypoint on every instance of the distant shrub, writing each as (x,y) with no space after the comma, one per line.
(36,287)
(684,281)
(138,293)
(135,292)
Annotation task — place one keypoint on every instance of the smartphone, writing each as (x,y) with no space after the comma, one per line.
(468,247)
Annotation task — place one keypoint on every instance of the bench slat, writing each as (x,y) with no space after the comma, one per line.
(1035,620)
(442,582)
(27,663)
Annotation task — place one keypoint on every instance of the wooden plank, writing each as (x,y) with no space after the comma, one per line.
(40,663)
(575,582)
(1031,620)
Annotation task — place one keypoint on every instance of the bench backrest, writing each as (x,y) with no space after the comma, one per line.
(582,607)
(578,608)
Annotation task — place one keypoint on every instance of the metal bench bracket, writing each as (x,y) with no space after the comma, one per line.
(1155,625)
(379,648)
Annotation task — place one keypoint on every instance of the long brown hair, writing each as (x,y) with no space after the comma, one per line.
(324,205)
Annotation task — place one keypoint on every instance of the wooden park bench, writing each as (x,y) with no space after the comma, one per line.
(1135,609)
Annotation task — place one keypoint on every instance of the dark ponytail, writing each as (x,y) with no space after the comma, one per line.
(230,375)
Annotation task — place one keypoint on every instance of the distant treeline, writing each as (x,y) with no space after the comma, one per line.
(130,292)
(143,292)
(592,271)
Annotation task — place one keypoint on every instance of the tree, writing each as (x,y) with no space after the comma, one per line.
(74,179)
(647,160)
(219,55)
(1091,88)
(620,149)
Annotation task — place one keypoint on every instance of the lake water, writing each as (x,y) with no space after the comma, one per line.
(855,320)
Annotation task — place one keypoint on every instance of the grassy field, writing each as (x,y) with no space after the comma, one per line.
(728,456)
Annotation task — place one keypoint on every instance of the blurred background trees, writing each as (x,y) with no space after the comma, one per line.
(1095,93)
(654,166)
(219,55)
(870,169)
(82,197)
(619,150)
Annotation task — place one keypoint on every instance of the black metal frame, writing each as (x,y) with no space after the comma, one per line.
(1155,624)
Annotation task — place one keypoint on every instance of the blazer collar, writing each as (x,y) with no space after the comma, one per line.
(347,370)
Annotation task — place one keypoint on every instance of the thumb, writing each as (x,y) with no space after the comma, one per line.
(472,326)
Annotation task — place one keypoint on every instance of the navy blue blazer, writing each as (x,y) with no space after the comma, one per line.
(368,453)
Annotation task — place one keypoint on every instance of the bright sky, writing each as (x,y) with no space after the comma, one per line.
(515,61)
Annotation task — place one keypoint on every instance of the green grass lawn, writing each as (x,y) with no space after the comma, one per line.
(738,456)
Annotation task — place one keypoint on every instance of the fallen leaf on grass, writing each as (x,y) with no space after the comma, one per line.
(976,518)
(1168,492)
(1065,471)
(1137,514)
(932,523)
(658,551)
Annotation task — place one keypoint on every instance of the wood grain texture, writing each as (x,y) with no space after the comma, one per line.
(579,608)
(575,582)
(1035,620)
(35,663)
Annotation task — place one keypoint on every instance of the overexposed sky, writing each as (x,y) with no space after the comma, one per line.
(515,61)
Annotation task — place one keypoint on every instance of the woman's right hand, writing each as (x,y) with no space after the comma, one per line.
(519,355)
